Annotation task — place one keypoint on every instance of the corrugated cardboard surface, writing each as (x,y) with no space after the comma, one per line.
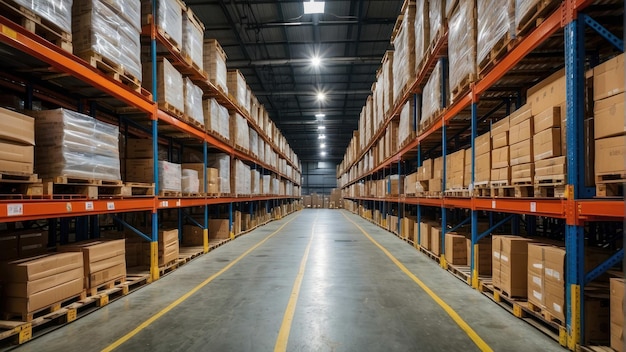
(608,78)
(547,144)
(500,140)
(522,114)
(608,117)
(550,167)
(500,158)
(617,313)
(44,298)
(501,175)
(438,168)
(548,93)
(500,126)
(16,166)
(456,249)
(435,240)
(17,152)
(546,278)
(522,131)
(510,260)
(548,118)
(610,155)
(522,152)
(17,127)
(434,185)
(425,229)
(482,144)
(26,289)
(523,171)
(482,171)
(31,269)
(100,277)
(218,229)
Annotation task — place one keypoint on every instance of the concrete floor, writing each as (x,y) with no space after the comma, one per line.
(353,298)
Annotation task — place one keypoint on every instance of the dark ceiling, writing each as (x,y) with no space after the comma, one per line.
(272,42)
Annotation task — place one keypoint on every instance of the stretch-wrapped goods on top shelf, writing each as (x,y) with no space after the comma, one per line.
(436,18)
(404,57)
(193,34)
(59,12)
(239,132)
(422,31)
(169,18)
(75,145)
(238,89)
(495,25)
(216,118)
(170,91)
(109,31)
(215,63)
(462,46)
(431,96)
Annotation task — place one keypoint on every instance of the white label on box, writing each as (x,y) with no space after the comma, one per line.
(496,254)
(556,307)
(493,204)
(537,295)
(556,275)
(110,205)
(549,272)
(533,207)
(15,209)
(504,258)
(538,266)
(537,280)
(88,205)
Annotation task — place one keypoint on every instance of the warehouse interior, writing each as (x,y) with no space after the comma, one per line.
(312,175)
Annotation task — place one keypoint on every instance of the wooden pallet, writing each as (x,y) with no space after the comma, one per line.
(214,195)
(549,190)
(29,316)
(462,272)
(171,109)
(503,191)
(193,194)
(14,185)
(171,194)
(192,122)
(106,286)
(596,349)
(463,87)
(138,189)
(501,47)
(36,24)
(112,69)
(63,186)
(430,254)
(536,15)
(545,314)
(610,190)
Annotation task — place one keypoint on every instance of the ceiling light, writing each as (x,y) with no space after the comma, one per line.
(323,153)
(321,96)
(319,116)
(323,145)
(321,127)
(321,136)
(316,61)
(311,7)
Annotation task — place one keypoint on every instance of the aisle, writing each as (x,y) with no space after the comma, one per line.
(352,297)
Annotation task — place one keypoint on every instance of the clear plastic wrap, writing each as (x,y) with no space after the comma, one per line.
(237,87)
(404,56)
(59,12)
(436,17)
(169,84)
(422,31)
(524,7)
(169,17)
(431,96)
(221,162)
(193,35)
(261,150)
(387,86)
(254,141)
(275,186)
(215,63)
(462,44)
(216,118)
(255,182)
(193,101)
(496,22)
(267,180)
(241,178)
(406,129)
(190,181)
(170,176)
(75,145)
(239,133)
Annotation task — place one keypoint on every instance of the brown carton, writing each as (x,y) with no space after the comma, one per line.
(218,229)
(425,229)
(193,235)
(548,93)
(482,144)
(26,289)
(407,228)
(500,158)
(42,299)
(500,126)
(435,240)
(410,182)
(395,185)
(520,115)
(482,169)
(468,168)
(426,170)
(438,168)
(548,118)
(547,144)
(502,175)
(510,258)
(434,185)
(608,78)
(17,152)
(16,127)
(482,255)
(550,167)
(522,173)
(31,269)
(522,152)
(610,155)
(608,117)
(456,249)
(617,313)
(500,140)
(521,132)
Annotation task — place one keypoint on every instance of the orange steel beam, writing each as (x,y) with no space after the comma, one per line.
(30,43)
(601,209)
(554,208)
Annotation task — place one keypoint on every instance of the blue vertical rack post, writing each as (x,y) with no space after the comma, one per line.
(444,138)
(205,231)
(418,223)
(474,213)
(154,243)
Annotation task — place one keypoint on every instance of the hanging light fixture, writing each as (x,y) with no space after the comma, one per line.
(311,7)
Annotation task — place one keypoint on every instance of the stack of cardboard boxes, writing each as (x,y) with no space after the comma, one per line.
(546,278)
(617,314)
(500,161)
(510,265)
(17,140)
(482,163)
(455,170)
(521,145)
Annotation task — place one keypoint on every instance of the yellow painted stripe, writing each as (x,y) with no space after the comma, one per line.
(184,297)
(482,345)
(285,328)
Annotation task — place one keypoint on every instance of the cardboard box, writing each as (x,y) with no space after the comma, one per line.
(17,152)
(482,168)
(522,152)
(424,235)
(456,249)
(193,235)
(617,313)
(547,144)
(438,168)
(523,173)
(45,298)
(218,229)
(510,264)
(500,158)
(548,93)
(551,167)
(500,126)
(35,268)
(482,144)
(15,166)
(103,260)
(435,240)
(139,148)
(597,319)
(407,226)
(500,140)
(546,278)
(16,127)
(610,155)
(395,185)
(608,119)
(482,255)
(409,183)
(548,118)
(608,78)
(468,168)
(426,170)
(522,131)
(434,185)
(520,115)
(502,175)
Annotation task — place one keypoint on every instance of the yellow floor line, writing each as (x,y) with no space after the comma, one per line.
(482,345)
(183,298)
(285,328)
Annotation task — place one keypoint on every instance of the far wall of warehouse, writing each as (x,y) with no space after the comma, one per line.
(318,177)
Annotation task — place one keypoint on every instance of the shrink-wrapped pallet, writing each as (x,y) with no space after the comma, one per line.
(404,55)
(75,145)
(266,184)
(254,141)
(239,133)
(193,35)
(193,101)
(59,12)
(431,96)
(170,92)
(422,31)
(170,176)
(495,27)
(255,182)
(190,182)
(169,18)
(525,10)
(436,18)
(240,180)
(407,127)
(237,88)
(215,64)
(216,118)
(221,162)
(462,47)
(109,31)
